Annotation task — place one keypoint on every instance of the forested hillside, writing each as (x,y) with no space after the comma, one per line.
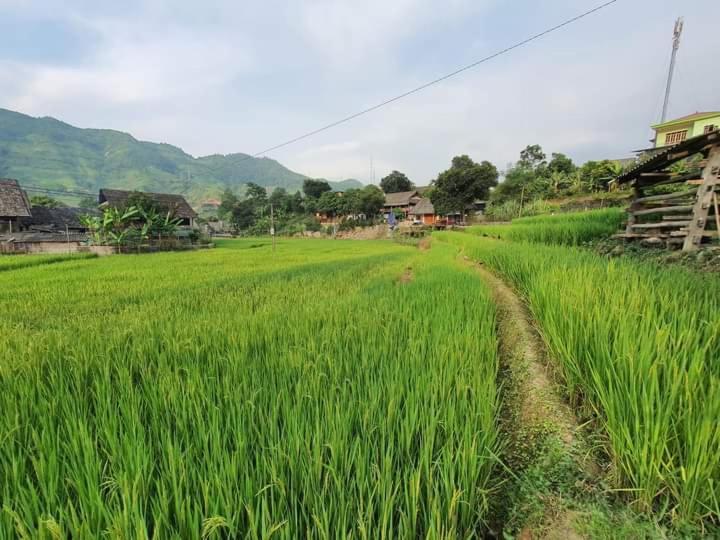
(49,153)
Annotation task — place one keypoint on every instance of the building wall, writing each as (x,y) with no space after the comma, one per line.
(693,129)
(429,219)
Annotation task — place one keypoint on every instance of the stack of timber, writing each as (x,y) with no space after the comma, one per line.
(687,216)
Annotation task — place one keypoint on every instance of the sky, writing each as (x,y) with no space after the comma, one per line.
(222,76)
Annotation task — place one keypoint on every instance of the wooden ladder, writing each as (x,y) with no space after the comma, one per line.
(705,199)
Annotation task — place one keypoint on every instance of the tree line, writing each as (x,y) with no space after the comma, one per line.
(454,191)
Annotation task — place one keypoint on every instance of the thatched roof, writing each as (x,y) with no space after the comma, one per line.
(176,203)
(402,198)
(423,207)
(13,200)
(57,218)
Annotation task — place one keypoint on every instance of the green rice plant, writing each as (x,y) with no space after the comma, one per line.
(638,348)
(327,389)
(15,262)
(564,229)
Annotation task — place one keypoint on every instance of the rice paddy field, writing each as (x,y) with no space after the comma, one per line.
(343,389)
(638,348)
(333,389)
(571,228)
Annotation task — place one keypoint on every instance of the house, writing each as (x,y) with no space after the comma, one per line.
(677,130)
(176,204)
(61,219)
(403,200)
(14,205)
(424,211)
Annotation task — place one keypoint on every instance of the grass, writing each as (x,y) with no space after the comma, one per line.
(15,262)
(562,229)
(327,390)
(638,349)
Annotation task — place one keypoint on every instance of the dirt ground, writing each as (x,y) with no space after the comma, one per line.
(536,419)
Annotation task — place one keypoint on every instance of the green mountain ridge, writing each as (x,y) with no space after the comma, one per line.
(48,153)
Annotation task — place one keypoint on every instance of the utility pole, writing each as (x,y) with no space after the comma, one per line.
(677,32)
(272,226)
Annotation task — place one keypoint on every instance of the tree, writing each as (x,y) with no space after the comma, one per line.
(517,184)
(596,175)
(257,194)
(329,203)
(457,188)
(314,188)
(243,214)
(281,200)
(228,200)
(370,201)
(44,200)
(532,157)
(396,182)
(297,205)
(560,163)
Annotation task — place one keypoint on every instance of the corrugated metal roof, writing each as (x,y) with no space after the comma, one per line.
(670,155)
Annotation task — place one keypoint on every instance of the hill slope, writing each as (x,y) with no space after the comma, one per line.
(49,153)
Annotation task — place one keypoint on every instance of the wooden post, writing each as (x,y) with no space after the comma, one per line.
(706,191)
(631,210)
(717,215)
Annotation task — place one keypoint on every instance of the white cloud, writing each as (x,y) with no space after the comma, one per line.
(229,76)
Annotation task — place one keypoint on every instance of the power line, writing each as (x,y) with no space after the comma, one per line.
(435,81)
(57,191)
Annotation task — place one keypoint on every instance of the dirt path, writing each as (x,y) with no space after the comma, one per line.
(546,453)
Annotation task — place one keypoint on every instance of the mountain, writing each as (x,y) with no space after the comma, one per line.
(51,154)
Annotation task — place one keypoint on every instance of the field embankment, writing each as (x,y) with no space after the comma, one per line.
(329,389)
(637,349)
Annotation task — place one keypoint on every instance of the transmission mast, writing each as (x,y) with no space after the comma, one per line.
(677,32)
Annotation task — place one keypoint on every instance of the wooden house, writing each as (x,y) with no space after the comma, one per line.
(424,212)
(61,219)
(688,216)
(14,205)
(176,204)
(403,201)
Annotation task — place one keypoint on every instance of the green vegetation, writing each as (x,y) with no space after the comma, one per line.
(638,349)
(396,182)
(15,262)
(568,229)
(48,153)
(294,213)
(325,390)
(456,189)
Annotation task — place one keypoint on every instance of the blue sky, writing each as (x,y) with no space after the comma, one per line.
(223,76)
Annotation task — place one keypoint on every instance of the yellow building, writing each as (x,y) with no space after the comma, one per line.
(677,130)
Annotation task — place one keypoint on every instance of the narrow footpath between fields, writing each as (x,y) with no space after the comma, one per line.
(556,487)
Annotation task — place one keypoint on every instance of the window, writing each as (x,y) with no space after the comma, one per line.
(709,128)
(676,137)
